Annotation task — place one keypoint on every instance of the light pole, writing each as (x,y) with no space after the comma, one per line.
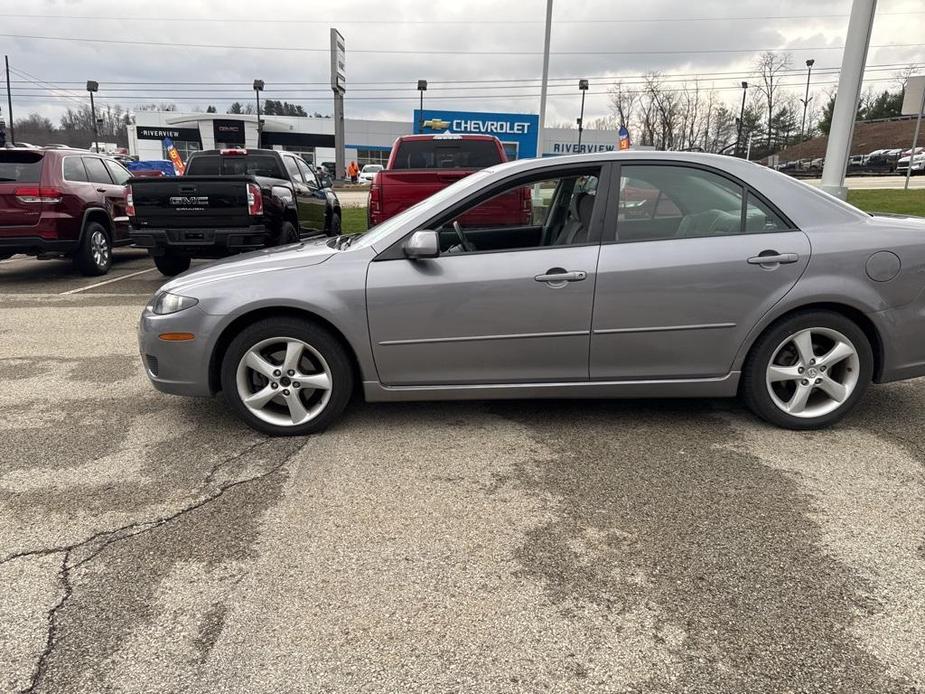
(582,87)
(741,120)
(94,87)
(258,87)
(809,71)
(422,87)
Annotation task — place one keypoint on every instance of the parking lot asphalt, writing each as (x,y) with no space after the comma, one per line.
(154,544)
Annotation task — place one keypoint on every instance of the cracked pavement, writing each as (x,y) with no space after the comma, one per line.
(150,543)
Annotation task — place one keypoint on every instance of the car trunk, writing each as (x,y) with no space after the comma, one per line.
(191,202)
(20,177)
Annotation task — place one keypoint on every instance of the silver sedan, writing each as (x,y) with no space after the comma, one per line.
(632,274)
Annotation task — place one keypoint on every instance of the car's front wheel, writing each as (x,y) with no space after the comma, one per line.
(170,264)
(287,376)
(808,370)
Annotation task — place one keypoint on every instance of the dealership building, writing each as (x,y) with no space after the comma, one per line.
(367,141)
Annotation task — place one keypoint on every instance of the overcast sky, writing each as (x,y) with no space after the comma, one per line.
(477,32)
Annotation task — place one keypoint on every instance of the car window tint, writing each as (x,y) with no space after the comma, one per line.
(665,202)
(203,165)
(759,217)
(119,173)
(20,166)
(554,211)
(293,169)
(96,171)
(73,169)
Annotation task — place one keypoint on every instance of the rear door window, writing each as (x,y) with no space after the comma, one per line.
(293,169)
(96,171)
(20,166)
(74,170)
(446,154)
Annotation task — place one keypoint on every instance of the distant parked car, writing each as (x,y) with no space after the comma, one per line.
(63,203)
(916,162)
(369,172)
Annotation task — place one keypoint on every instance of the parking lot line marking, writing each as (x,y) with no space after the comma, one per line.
(105,282)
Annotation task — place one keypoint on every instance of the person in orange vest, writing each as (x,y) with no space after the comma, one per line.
(353,171)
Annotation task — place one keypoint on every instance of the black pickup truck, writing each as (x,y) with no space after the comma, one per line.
(229,201)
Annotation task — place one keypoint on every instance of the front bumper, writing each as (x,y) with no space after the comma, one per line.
(178,368)
(201,243)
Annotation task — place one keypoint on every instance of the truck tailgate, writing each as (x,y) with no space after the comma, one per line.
(403,188)
(191,202)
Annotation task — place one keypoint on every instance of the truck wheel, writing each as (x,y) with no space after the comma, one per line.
(334,224)
(287,234)
(287,376)
(171,264)
(94,255)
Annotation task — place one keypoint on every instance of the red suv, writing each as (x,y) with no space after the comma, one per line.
(63,202)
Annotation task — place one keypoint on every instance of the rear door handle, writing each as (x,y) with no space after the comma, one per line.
(576,276)
(772,258)
(100,190)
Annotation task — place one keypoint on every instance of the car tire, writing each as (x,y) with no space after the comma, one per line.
(807,370)
(94,254)
(256,359)
(334,225)
(287,234)
(171,264)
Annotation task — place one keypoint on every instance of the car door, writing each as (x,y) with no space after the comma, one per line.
(318,199)
(514,314)
(110,196)
(120,177)
(696,261)
(302,193)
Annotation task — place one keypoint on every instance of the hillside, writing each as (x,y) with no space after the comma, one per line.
(868,136)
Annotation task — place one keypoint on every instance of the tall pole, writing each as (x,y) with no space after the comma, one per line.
(422,87)
(845,112)
(741,120)
(540,136)
(809,71)
(583,86)
(9,100)
(915,139)
(96,129)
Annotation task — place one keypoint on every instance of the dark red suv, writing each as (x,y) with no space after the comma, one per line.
(63,202)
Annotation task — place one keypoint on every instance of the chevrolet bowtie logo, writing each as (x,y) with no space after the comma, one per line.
(436,124)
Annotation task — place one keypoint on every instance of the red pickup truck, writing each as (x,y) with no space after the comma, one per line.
(420,165)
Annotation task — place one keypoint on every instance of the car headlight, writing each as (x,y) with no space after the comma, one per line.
(165,303)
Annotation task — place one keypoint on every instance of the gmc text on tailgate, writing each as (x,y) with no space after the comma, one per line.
(229,201)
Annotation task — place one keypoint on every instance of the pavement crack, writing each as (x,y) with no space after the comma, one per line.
(108,538)
(52,633)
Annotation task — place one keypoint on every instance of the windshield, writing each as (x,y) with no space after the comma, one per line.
(372,168)
(381,231)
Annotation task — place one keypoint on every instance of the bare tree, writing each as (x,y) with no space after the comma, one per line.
(769,66)
(623,103)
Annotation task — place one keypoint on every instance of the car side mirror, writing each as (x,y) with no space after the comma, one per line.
(422,244)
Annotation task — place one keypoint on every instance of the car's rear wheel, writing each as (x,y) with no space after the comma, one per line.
(808,370)
(94,255)
(287,376)
(170,264)
(287,234)
(334,224)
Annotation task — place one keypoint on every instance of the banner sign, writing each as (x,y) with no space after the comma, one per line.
(174,156)
(511,128)
(159,133)
(338,60)
(228,132)
(624,138)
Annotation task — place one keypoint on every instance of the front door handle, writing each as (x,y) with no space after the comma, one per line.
(100,190)
(557,276)
(773,258)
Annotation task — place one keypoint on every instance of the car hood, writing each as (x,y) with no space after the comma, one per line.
(294,255)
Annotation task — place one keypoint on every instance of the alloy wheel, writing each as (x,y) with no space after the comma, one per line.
(284,381)
(99,248)
(812,372)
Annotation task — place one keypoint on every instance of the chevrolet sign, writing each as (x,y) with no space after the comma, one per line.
(436,124)
(517,131)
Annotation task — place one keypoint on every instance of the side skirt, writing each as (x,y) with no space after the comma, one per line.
(720,387)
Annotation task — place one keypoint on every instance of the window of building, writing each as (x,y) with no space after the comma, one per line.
(372,156)
(184,149)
